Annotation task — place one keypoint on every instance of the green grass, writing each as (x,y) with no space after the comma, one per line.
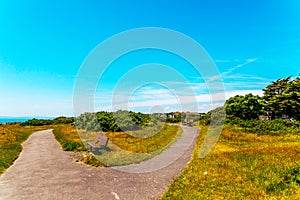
(290,181)
(242,166)
(142,143)
(68,137)
(11,138)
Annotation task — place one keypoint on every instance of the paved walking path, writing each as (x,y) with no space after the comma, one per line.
(44,171)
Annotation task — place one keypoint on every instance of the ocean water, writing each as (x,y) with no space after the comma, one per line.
(13,119)
(19,119)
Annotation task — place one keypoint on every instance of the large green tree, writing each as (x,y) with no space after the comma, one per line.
(282,97)
(244,107)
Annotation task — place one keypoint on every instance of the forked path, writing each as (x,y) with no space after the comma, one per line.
(44,171)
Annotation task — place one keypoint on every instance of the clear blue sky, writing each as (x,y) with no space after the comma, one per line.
(43,44)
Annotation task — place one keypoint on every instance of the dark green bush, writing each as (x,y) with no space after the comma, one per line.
(270,127)
(37,122)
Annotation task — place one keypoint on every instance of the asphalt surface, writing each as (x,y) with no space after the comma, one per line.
(44,171)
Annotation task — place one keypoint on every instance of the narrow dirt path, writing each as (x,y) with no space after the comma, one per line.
(44,171)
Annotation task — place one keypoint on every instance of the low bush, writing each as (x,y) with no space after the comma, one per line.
(269,127)
(43,122)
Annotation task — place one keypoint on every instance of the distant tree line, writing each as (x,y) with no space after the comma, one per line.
(123,120)
(281,99)
(42,122)
(120,120)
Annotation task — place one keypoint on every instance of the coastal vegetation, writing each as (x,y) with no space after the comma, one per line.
(254,158)
(43,122)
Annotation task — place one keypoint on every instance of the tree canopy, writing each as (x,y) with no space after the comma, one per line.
(281,97)
(244,107)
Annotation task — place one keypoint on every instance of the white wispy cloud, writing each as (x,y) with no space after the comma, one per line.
(223,61)
(246,62)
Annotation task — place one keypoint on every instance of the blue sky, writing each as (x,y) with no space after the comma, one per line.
(44,43)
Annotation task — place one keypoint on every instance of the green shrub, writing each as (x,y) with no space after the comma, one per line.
(72,146)
(270,127)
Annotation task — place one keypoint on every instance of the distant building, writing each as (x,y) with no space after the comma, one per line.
(264,117)
(173,114)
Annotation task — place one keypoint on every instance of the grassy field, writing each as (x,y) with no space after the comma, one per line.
(11,138)
(242,166)
(123,148)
